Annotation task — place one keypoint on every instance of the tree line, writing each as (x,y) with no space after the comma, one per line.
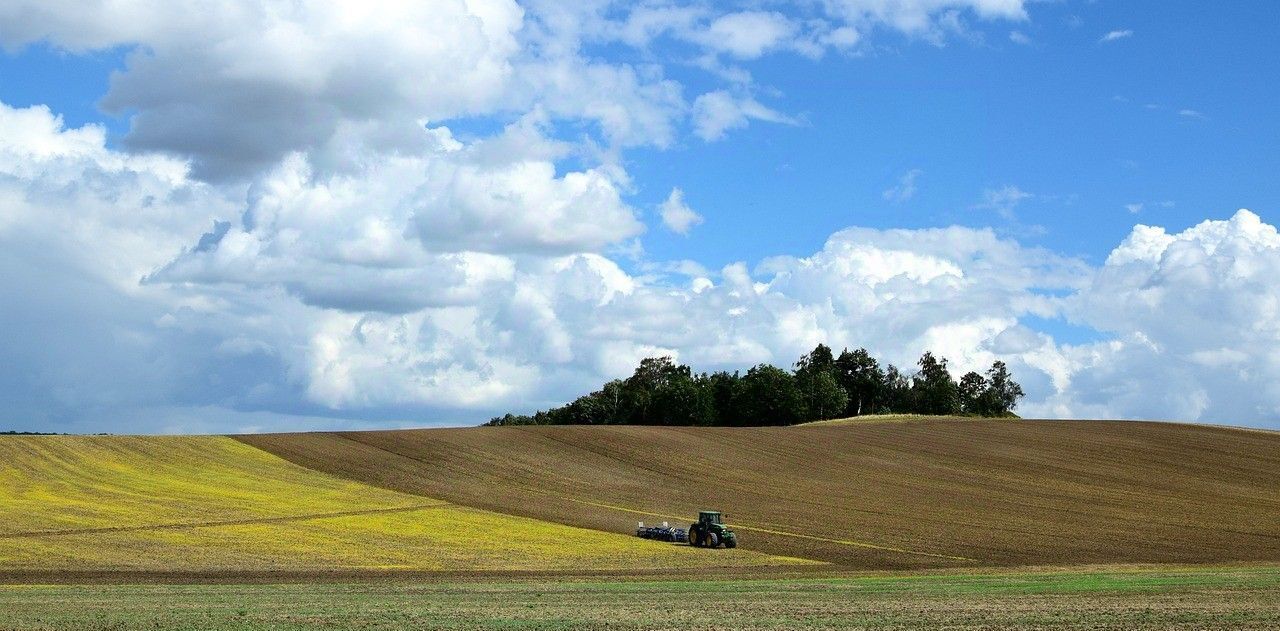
(820,386)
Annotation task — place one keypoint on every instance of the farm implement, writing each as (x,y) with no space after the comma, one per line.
(662,533)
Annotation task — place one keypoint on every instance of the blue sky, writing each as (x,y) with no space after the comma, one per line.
(434,233)
(1086,127)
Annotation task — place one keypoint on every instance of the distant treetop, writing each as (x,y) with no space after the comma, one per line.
(820,386)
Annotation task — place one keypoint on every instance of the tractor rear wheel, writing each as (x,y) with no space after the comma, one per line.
(695,539)
(713,540)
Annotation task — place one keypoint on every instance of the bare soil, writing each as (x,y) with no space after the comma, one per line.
(901,495)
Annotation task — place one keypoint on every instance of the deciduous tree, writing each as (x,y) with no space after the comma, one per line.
(860,375)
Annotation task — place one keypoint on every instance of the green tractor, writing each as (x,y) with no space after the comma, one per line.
(710,532)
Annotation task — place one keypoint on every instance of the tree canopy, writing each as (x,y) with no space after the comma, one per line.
(821,385)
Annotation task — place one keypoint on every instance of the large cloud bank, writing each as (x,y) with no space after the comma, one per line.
(237,86)
(296,233)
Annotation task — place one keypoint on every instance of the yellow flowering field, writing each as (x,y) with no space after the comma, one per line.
(206,503)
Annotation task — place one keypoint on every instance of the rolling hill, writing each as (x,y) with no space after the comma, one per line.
(915,494)
(210,506)
(902,493)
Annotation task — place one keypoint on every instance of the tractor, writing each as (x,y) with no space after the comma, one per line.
(710,532)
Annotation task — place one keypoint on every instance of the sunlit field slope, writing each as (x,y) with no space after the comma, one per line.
(912,493)
(212,504)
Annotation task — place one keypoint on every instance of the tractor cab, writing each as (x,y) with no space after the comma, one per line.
(710,531)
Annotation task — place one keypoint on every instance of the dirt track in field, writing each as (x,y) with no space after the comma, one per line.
(927,493)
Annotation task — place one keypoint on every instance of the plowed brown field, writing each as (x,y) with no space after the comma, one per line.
(925,493)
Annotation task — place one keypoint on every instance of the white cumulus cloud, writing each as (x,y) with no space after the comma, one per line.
(237,86)
(293,231)
(1194,321)
(748,34)
(676,214)
(312,297)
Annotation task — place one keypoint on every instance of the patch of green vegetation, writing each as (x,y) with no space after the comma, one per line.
(1119,581)
(1191,598)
